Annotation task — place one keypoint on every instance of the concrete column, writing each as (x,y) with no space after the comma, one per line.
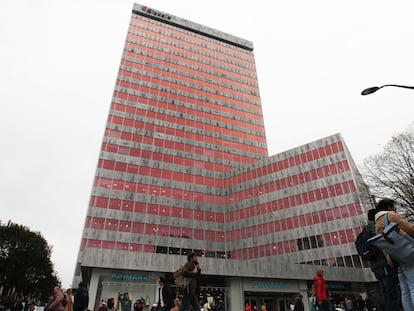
(236,294)
(93,290)
(303,290)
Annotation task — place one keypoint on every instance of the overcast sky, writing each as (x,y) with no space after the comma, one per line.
(59,61)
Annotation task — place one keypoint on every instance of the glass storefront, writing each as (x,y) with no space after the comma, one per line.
(272,301)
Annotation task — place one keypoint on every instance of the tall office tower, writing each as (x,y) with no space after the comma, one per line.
(184,168)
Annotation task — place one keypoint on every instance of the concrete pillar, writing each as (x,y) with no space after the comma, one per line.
(93,290)
(236,294)
(303,290)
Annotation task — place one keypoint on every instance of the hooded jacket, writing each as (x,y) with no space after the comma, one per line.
(320,287)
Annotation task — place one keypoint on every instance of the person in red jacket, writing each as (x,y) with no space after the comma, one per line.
(321,290)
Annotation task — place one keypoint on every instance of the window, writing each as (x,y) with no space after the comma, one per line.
(161,249)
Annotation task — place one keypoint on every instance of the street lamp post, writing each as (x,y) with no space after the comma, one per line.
(373,89)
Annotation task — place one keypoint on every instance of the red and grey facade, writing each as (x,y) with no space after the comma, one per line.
(184,167)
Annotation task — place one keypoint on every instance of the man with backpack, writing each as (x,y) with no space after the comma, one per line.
(386,273)
(192,271)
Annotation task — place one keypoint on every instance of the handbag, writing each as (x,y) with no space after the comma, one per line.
(399,246)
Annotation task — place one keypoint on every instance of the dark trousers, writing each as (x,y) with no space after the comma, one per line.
(324,306)
(189,298)
(388,279)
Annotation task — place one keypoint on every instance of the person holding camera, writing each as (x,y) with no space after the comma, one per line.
(192,271)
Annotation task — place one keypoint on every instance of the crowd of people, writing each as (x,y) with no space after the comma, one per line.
(395,278)
(167,297)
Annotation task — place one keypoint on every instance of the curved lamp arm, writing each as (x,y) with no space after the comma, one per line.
(373,89)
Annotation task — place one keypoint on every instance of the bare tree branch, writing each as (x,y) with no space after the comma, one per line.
(390,174)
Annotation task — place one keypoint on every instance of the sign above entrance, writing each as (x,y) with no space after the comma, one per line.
(271,284)
(129,277)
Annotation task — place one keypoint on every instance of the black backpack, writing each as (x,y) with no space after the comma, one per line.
(366,250)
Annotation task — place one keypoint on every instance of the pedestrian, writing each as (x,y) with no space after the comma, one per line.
(192,271)
(125,301)
(176,305)
(321,290)
(110,304)
(386,272)
(69,300)
(312,303)
(349,304)
(247,307)
(59,302)
(299,304)
(359,303)
(81,298)
(165,296)
(138,305)
(406,270)
(103,306)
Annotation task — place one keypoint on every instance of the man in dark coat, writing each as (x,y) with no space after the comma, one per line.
(165,296)
(299,304)
(81,298)
(192,271)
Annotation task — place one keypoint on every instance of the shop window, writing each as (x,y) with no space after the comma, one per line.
(161,249)
(174,250)
(199,252)
(186,251)
(211,254)
(221,254)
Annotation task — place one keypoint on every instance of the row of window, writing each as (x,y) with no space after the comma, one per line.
(248,99)
(195,74)
(143,109)
(198,165)
(244,232)
(211,102)
(191,38)
(218,150)
(186,251)
(161,95)
(200,182)
(196,42)
(201,162)
(353,261)
(179,137)
(226,156)
(192,79)
(216,197)
(174,82)
(163,127)
(258,251)
(252,172)
(268,186)
(161,155)
(201,77)
(173,109)
(174,73)
(187,52)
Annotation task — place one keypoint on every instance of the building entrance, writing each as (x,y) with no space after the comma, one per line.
(272,301)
